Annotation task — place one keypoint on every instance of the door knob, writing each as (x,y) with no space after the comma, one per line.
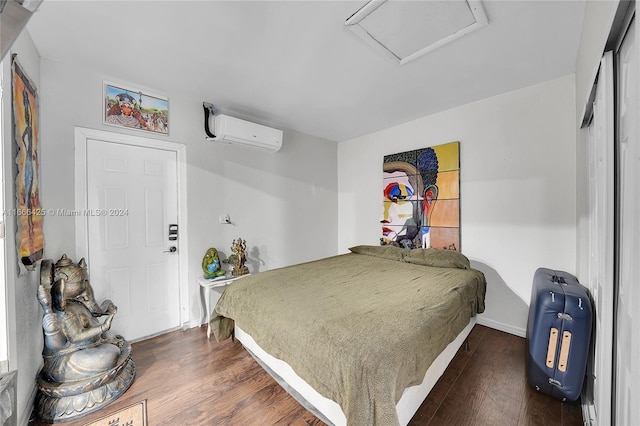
(172,249)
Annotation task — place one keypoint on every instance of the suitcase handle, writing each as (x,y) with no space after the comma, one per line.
(555,382)
(558,280)
(551,349)
(564,351)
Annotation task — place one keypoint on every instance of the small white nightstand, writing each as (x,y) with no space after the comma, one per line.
(217,285)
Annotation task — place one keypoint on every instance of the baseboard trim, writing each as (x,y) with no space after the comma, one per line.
(26,414)
(517,331)
(588,411)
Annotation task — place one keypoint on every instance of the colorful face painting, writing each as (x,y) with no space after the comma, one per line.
(421,198)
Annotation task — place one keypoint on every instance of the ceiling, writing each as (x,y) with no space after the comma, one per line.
(295,65)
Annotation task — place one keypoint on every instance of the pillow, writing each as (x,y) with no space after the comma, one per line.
(438,258)
(387,252)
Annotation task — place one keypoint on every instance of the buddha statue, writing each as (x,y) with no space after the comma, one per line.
(85,366)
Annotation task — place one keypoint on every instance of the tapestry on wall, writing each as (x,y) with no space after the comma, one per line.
(29,214)
(421,198)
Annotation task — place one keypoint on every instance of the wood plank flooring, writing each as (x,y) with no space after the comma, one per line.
(189,380)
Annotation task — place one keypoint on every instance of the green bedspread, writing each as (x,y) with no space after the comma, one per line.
(358,327)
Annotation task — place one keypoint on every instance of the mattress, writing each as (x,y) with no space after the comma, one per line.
(328,410)
(360,327)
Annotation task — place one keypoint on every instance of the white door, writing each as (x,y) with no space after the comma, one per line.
(132,204)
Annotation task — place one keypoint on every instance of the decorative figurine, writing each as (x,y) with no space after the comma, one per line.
(211,264)
(238,248)
(85,367)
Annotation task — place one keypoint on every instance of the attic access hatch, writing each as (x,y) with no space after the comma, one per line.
(406,30)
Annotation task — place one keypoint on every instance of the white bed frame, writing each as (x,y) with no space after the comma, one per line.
(329,411)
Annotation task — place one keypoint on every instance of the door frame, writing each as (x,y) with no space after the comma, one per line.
(81,136)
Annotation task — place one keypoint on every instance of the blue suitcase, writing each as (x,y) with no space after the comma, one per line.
(558,334)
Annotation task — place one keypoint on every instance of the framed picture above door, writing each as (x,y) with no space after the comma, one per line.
(135,109)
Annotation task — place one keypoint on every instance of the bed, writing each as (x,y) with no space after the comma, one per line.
(359,338)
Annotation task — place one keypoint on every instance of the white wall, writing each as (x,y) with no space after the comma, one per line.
(24,315)
(517,187)
(283,204)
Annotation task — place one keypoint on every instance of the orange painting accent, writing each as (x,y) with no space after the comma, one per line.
(445,213)
(444,237)
(448,185)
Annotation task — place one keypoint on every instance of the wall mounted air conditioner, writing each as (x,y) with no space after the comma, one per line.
(241,132)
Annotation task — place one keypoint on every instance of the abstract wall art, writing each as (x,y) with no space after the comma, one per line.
(421,198)
(29,214)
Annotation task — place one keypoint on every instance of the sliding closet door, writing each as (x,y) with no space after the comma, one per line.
(627,388)
(600,280)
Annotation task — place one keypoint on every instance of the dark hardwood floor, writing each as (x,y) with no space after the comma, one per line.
(189,380)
